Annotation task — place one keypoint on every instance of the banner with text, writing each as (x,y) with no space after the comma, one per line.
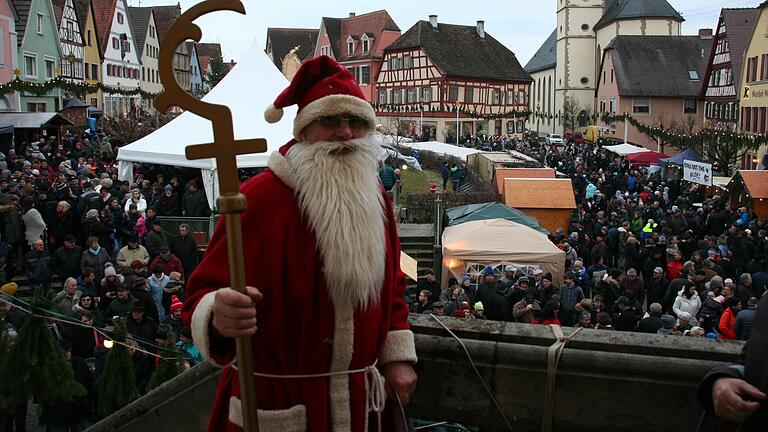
(697,172)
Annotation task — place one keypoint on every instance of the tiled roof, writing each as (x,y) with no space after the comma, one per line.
(22,8)
(545,57)
(460,52)
(617,10)
(739,25)
(209,50)
(283,40)
(104,11)
(139,17)
(636,61)
(58,10)
(165,16)
(333,30)
(373,23)
(81,9)
(204,60)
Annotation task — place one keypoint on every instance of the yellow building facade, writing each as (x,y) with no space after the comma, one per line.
(753,115)
(92,56)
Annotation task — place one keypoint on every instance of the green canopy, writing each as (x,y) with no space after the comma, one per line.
(490,210)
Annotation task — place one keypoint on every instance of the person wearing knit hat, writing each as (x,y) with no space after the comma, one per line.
(330,217)
(9,289)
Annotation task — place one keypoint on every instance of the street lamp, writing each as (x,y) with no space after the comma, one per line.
(538,117)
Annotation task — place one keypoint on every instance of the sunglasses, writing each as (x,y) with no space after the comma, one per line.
(334,122)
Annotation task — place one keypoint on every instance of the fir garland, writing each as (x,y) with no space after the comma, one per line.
(117,385)
(80,88)
(744,141)
(167,369)
(37,364)
(452,108)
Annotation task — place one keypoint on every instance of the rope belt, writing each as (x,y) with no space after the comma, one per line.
(375,389)
(553,359)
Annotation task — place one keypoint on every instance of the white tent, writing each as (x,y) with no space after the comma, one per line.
(626,149)
(247,90)
(443,148)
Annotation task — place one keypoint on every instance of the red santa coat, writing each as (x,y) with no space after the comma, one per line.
(300,330)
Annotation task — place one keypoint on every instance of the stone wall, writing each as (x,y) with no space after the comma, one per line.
(613,381)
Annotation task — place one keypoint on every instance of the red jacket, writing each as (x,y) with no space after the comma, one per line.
(300,331)
(172,265)
(673,269)
(727,324)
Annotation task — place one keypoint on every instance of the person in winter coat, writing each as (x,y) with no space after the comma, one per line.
(496,303)
(549,313)
(570,295)
(727,326)
(65,223)
(131,252)
(39,265)
(193,202)
(525,310)
(156,239)
(94,257)
(689,301)
(167,261)
(66,259)
(745,319)
(168,204)
(710,312)
(136,198)
(633,284)
(155,285)
(626,319)
(111,282)
(87,303)
(184,247)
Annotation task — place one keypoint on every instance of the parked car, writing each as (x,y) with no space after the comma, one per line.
(554,139)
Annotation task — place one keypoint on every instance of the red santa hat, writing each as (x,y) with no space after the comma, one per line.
(321,87)
(175,303)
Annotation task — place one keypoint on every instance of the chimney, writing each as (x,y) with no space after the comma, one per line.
(351,14)
(481,28)
(433,21)
(705,33)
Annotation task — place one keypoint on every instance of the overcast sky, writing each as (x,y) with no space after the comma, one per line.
(521,25)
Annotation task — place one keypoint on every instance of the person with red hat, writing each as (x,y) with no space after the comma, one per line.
(322,268)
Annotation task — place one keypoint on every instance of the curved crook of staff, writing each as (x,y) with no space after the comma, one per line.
(225,149)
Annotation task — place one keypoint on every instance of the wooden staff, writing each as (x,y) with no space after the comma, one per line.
(225,150)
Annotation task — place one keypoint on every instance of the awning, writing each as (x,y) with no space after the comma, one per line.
(721,182)
(688,154)
(646,158)
(6,129)
(625,149)
(33,120)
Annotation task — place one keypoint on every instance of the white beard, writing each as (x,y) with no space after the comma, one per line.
(340,196)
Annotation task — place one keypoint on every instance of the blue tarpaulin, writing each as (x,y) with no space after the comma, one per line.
(689,154)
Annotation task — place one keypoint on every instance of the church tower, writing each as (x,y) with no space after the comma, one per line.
(576,73)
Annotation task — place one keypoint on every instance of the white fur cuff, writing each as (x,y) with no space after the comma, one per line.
(201,319)
(398,347)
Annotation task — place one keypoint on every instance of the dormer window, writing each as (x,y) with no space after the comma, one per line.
(367,40)
(350,48)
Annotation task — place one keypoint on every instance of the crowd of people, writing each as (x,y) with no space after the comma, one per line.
(643,253)
(95,246)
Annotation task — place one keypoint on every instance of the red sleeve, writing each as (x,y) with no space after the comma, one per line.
(726,326)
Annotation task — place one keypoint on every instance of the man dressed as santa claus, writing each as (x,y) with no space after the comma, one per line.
(322,268)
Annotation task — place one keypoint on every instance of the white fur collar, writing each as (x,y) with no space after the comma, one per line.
(279,165)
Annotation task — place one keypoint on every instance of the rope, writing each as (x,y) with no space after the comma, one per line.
(477,372)
(54,316)
(554,353)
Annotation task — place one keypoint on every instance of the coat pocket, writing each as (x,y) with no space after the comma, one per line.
(293,419)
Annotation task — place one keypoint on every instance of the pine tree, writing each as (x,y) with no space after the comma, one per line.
(38,365)
(218,71)
(117,385)
(167,369)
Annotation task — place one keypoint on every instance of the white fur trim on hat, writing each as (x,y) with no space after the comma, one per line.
(273,114)
(333,105)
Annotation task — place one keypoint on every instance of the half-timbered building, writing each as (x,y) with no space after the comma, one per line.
(72,43)
(723,77)
(443,81)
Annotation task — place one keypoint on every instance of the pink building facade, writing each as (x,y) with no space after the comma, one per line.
(631,82)
(8,53)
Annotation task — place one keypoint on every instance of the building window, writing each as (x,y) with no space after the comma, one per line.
(36,107)
(495,97)
(395,63)
(453,94)
(120,19)
(366,46)
(87,71)
(95,72)
(407,61)
(151,31)
(612,105)
(426,94)
(30,65)
(50,69)
(40,23)
(365,75)
(693,75)
(397,96)
(641,106)
(115,43)
(413,95)
(691,105)
(382,97)
(469,94)
(603,77)
(88,38)
(350,48)
(611,76)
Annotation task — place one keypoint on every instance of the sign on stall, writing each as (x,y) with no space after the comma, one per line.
(697,172)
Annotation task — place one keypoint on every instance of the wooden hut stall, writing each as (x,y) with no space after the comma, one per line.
(551,201)
(504,173)
(750,189)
